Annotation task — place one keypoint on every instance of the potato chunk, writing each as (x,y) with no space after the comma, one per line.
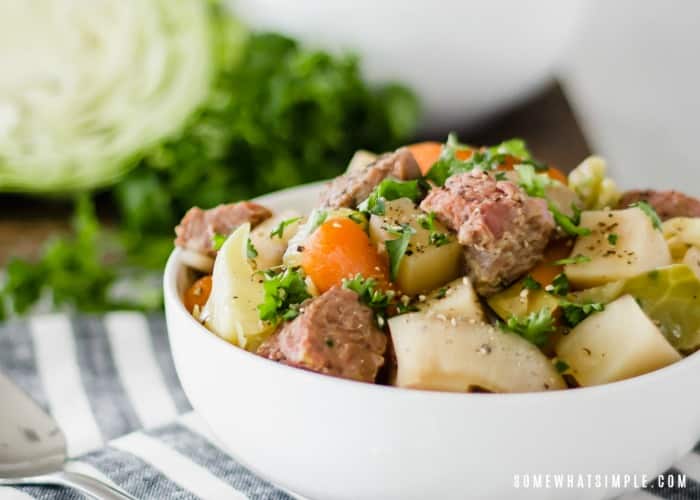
(622,244)
(457,299)
(618,343)
(232,309)
(426,265)
(681,233)
(464,355)
(271,248)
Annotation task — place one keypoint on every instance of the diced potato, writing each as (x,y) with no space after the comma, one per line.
(618,343)
(232,309)
(636,247)
(271,248)
(425,266)
(465,355)
(681,233)
(457,299)
(692,260)
(361,159)
(518,301)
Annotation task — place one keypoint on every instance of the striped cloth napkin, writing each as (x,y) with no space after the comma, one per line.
(110,383)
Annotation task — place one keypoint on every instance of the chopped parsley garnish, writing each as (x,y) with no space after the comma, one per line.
(316,218)
(535,327)
(487,159)
(441,293)
(530,283)
(438,239)
(569,224)
(574,313)
(559,286)
(251,251)
(284,292)
(650,212)
(217,241)
(560,366)
(536,185)
(357,218)
(279,230)
(576,259)
(427,221)
(612,239)
(533,184)
(500,176)
(370,295)
(396,248)
(389,190)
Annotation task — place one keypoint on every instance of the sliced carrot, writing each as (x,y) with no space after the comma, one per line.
(427,153)
(554,173)
(341,249)
(198,293)
(545,271)
(557,175)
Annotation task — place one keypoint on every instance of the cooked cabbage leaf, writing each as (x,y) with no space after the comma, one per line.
(669,295)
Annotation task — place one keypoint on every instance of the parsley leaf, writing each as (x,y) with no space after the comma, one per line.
(316,218)
(251,251)
(561,366)
(530,283)
(427,221)
(535,327)
(576,259)
(559,286)
(218,240)
(570,225)
(438,239)
(388,190)
(533,184)
(500,176)
(487,159)
(284,292)
(650,212)
(574,313)
(396,248)
(371,295)
(279,230)
(612,239)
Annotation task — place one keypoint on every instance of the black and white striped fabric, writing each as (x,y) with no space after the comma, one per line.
(110,383)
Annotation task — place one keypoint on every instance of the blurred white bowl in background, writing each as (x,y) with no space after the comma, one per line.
(466,59)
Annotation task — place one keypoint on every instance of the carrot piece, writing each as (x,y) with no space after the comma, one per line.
(427,153)
(557,175)
(545,272)
(554,173)
(340,249)
(198,293)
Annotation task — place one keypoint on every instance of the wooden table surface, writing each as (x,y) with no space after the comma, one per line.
(546,122)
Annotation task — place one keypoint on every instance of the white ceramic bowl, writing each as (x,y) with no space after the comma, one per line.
(465,58)
(332,439)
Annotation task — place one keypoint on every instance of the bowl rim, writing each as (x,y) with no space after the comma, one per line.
(172,298)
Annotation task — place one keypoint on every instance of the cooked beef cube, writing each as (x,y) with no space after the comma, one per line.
(503,231)
(334,334)
(668,204)
(197,227)
(353,187)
